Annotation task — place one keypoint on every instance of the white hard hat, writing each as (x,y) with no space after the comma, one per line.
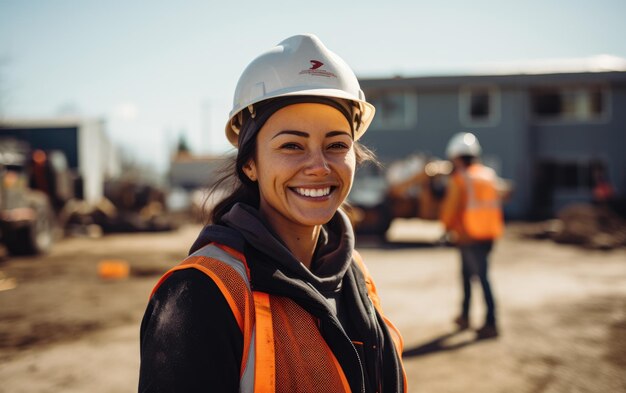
(463,144)
(298,66)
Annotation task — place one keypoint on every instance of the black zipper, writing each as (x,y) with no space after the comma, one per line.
(358,358)
(378,347)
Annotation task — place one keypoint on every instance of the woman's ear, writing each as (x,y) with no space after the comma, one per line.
(250,170)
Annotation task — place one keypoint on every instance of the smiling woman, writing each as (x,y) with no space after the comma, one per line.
(304,166)
(273,296)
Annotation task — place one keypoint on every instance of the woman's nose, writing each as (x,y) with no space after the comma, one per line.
(317,165)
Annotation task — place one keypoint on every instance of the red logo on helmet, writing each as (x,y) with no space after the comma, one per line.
(315,64)
(315,70)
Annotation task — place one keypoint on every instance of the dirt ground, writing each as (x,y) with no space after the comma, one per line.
(562,313)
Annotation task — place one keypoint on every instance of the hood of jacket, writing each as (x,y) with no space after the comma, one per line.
(252,235)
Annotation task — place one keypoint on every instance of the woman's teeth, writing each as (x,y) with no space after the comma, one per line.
(313,192)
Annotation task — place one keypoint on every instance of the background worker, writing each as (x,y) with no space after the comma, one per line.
(274,297)
(471,212)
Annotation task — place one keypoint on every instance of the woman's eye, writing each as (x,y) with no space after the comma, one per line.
(290,146)
(338,145)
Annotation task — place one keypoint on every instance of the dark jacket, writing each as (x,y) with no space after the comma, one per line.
(190,340)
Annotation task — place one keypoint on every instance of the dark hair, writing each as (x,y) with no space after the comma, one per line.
(238,186)
(241,189)
(232,178)
(468,160)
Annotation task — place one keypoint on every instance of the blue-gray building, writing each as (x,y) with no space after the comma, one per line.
(548,132)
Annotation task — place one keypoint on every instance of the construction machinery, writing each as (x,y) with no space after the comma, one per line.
(62,176)
(26,213)
(409,188)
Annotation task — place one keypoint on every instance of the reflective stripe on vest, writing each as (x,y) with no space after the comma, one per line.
(265,366)
(215,258)
(482,217)
(246,383)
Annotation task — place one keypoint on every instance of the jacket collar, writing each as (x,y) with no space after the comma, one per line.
(244,229)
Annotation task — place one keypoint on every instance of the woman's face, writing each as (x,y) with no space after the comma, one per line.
(304,165)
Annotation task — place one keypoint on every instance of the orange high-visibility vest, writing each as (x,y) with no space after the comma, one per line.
(482,217)
(283,350)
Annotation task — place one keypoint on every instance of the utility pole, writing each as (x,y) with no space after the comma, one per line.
(205,133)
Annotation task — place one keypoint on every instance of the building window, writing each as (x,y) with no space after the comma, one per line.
(557,183)
(569,104)
(479,106)
(394,109)
(568,175)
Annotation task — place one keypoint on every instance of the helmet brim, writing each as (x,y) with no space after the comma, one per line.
(367,110)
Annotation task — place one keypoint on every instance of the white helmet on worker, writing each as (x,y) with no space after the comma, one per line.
(463,144)
(298,66)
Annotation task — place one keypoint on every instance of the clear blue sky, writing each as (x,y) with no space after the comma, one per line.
(154,69)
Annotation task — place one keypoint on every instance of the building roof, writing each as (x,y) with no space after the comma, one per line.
(600,63)
(603,68)
(47,122)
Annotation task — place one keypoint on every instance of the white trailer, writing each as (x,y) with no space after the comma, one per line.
(83,141)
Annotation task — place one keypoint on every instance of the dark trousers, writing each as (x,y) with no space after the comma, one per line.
(475,263)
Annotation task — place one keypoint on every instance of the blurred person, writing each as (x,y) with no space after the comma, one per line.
(471,213)
(602,190)
(273,296)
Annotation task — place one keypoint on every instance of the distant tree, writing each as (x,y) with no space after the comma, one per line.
(182,147)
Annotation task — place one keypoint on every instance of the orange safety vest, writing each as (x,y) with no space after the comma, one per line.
(274,328)
(482,217)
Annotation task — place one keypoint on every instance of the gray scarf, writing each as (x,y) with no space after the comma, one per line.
(333,253)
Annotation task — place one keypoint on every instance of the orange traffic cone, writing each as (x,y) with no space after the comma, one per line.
(113,269)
